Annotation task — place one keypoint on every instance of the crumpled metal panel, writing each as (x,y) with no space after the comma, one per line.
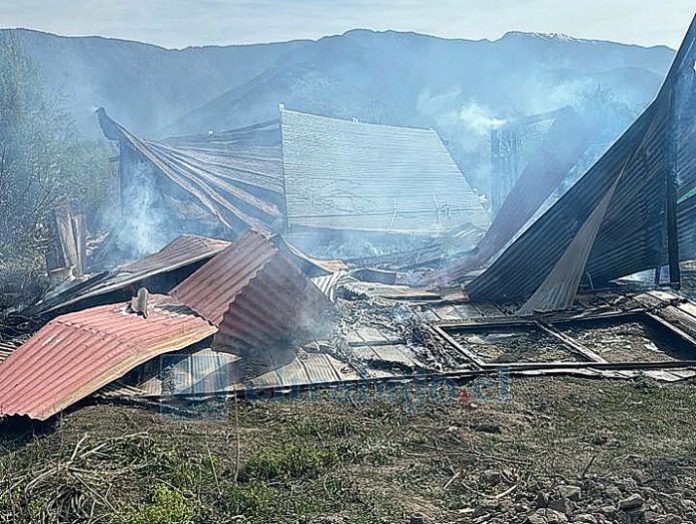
(445,249)
(223,174)
(278,308)
(257,296)
(204,371)
(211,289)
(75,355)
(631,236)
(560,287)
(563,145)
(183,251)
(328,283)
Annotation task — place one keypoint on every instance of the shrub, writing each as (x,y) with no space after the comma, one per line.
(251,499)
(168,507)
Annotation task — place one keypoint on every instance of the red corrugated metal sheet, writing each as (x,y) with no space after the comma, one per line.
(257,296)
(211,289)
(278,307)
(76,354)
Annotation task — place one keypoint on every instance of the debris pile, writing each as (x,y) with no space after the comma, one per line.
(415,282)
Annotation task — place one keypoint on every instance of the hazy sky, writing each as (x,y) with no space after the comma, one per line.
(180,23)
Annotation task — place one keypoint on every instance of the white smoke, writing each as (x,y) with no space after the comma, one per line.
(143,229)
(479,119)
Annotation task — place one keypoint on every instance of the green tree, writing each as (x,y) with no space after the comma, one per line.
(42,165)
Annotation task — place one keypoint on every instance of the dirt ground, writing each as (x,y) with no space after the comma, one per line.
(515,345)
(536,450)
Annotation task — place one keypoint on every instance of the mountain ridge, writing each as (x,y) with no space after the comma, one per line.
(461,88)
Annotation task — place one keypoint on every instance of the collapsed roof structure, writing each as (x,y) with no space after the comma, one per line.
(367,177)
(300,175)
(248,285)
(519,192)
(256,296)
(172,263)
(622,217)
(258,314)
(231,181)
(78,353)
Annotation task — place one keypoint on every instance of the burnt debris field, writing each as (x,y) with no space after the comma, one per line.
(320,317)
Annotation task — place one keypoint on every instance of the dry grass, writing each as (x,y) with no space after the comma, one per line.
(363,460)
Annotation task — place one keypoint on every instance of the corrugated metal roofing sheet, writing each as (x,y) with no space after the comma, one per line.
(211,289)
(226,174)
(183,251)
(6,349)
(310,266)
(257,296)
(327,284)
(204,371)
(209,372)
(350,175)
(558,290)
(631,237)
(564,143)
(279,307)
(308,368)
(77,354)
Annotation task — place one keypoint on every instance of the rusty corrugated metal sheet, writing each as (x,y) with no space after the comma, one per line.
(278,307)
(256,295)
(183,251)
(631,236)
(211,289)
(77,354)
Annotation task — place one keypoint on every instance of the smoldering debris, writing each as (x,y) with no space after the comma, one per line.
(335,253)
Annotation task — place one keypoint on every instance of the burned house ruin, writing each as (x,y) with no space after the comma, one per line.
(310,252)
(316,180)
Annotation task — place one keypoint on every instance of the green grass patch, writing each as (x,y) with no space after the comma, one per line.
(288,461)
(168,506)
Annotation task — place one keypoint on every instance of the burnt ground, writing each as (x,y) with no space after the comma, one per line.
(629,341)
(505,345)
(528,450)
